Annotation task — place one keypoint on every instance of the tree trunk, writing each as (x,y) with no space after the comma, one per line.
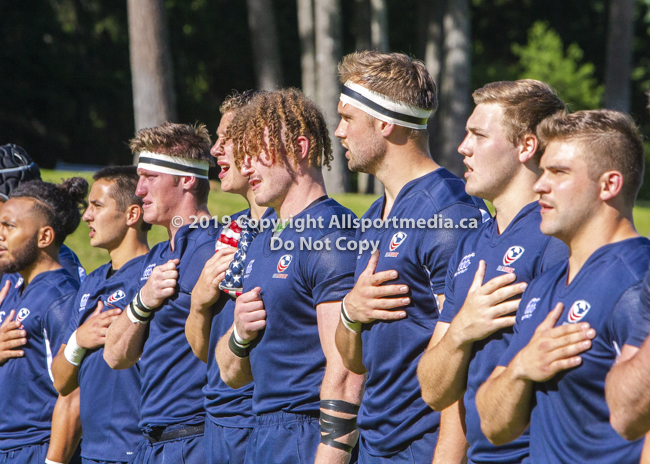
(430,31)
(327,15)
(619,55)
(264,39)
(307,47)
(379,24)
(361,23)
(455,83)
(154,101)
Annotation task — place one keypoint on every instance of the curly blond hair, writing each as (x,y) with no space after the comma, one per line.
(273,121)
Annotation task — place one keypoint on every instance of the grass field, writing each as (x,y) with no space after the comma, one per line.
(221,204)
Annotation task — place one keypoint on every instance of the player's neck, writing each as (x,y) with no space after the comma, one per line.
(400,167)
(47,261)
(133,244)
(306,189)
(256,210)
(601,230)
(517,195)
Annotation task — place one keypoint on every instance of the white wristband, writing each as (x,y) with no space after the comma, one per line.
(347,320)
(49,461)
(132,318)
(73,352)
(238,339)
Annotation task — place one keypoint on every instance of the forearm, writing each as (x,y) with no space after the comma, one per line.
(235,371)
(442,371)
(197,331)
(452,445)
(66,375)
(66,428)
(340,384)
(627,395)
(124,342)
(350,347)
(504,405)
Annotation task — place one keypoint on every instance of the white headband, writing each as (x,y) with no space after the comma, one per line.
(173,165)
(383,108)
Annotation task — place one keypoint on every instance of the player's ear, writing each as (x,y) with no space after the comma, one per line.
(302,143)
(611,184)
(45,237)
(133,215)
(528,147)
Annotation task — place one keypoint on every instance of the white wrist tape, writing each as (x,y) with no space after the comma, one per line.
(238,339)
(132,318)
(49,461)
(348,321)
(73,352)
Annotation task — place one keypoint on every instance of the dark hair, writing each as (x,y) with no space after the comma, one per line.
(59,204)
(610,141)
(124,181)
(16,166)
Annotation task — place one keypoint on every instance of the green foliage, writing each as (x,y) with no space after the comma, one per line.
(544,58)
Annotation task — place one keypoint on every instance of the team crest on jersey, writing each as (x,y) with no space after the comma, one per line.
(283,264)
(84,301)
(395,242)
(512,255)
(464,264)
(115,297)
(578,310)
(147,272)
(22,314)
(249,268)
(530,308)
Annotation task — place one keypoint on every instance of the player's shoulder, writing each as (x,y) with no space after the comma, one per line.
(62,282)
(631,256)
(330,218)
(442,189)
(96,275)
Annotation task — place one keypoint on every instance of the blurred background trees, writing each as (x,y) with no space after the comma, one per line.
(79,76)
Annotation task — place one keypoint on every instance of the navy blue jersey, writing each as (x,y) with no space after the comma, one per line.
(226,406)
(288,362)
(523,250)
(392,413)
(110,399)
(172,377)
(28,395)
(570,418)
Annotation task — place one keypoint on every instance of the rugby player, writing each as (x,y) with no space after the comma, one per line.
(575,319)
(626,389)
(285,320)
(114,216)
(229,419)
(34,222)
(493,263)
(173,169)
(384,107)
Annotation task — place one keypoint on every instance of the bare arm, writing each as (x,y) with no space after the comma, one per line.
(125,339)
(66,428)
(66,375)
(504,400)
(627,392)
(443,367)
(350,347)
(250,318)
(204,295)
(338,382)
(452,445)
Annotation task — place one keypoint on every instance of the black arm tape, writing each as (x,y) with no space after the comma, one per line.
(142,307)
(237,349)
(333,427)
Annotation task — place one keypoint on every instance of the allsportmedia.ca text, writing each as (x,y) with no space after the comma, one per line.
(438,221)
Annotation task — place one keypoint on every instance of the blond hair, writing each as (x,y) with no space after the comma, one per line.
(181,140)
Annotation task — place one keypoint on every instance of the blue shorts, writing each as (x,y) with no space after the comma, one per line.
(418,452)
(185,450)
(283,438)
(93,461)
(26,455)
(225,445)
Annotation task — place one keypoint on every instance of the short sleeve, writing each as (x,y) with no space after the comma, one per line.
(449,309)
(55,325)
(555,251)
(330,273)
(438,245)
(630,320)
